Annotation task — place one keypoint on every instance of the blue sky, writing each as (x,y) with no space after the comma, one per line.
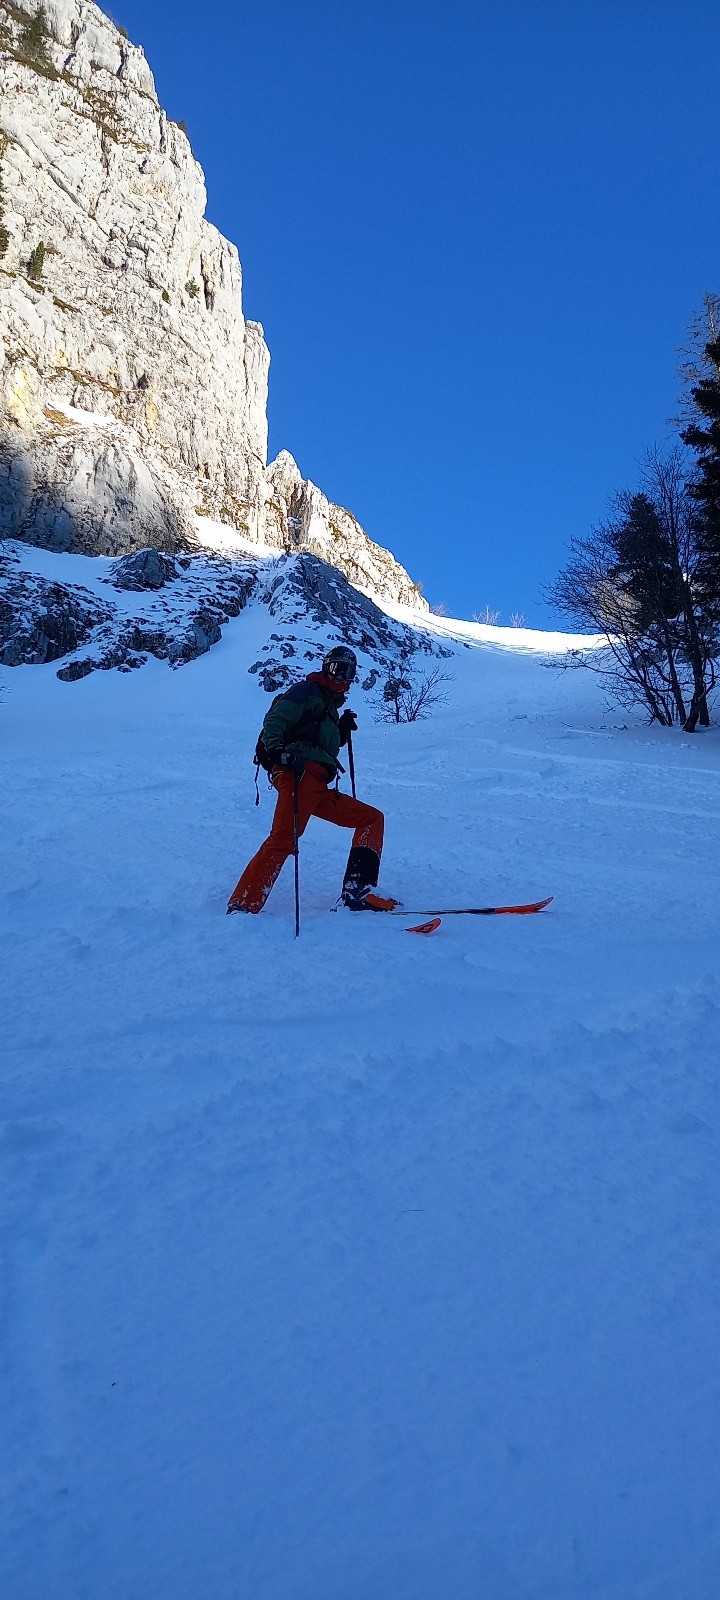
(475,236)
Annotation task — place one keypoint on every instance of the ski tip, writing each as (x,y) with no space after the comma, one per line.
(535,905)
(425,927)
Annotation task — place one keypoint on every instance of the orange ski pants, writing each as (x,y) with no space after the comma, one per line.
(314,800)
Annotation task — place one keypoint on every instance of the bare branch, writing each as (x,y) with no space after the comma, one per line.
(405,699)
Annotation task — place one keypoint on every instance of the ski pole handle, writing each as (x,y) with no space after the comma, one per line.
(351,764)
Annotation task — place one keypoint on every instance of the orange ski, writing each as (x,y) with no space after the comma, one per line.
(481,911)
(425,927)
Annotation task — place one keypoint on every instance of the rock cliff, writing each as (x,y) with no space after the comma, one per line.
(133,389)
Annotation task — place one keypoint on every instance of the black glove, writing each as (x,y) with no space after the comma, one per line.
(292,761)
(347,723)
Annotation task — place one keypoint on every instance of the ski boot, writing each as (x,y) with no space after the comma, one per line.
(359,890)
(364,897)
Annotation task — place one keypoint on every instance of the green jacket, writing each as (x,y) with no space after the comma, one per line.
(309,712)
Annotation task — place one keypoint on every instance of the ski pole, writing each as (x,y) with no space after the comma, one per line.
(297,857)
(351,764)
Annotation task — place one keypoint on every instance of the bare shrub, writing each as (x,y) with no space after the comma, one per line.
(408,698)
(517,619)
(488,616)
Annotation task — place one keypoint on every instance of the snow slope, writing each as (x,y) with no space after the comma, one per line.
(363,1267)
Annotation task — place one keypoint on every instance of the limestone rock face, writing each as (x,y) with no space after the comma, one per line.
(133,393)
(298,516)
(81,483)
(135,314)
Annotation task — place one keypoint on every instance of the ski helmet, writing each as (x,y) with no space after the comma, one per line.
(341,665)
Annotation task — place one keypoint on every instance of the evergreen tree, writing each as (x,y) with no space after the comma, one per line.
(634,581)
(647,565)
(36,263)
(702,434)
(648,573)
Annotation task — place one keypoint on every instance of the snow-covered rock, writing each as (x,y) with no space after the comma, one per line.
(133,392)
(145,569)
(87,613)
(308,599)
(90,614)
(40,620)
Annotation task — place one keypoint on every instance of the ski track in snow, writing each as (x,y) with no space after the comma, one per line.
(360,1267)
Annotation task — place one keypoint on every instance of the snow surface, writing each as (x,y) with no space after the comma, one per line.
(362,1267)
(223,538)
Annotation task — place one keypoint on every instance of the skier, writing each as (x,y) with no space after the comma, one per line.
(302,735)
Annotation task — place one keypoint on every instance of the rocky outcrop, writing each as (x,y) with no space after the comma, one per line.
(42,621)
(133,391)
(128,646)
(147,569)
(310,601)
(174,608)
(175,620)
(299,516)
